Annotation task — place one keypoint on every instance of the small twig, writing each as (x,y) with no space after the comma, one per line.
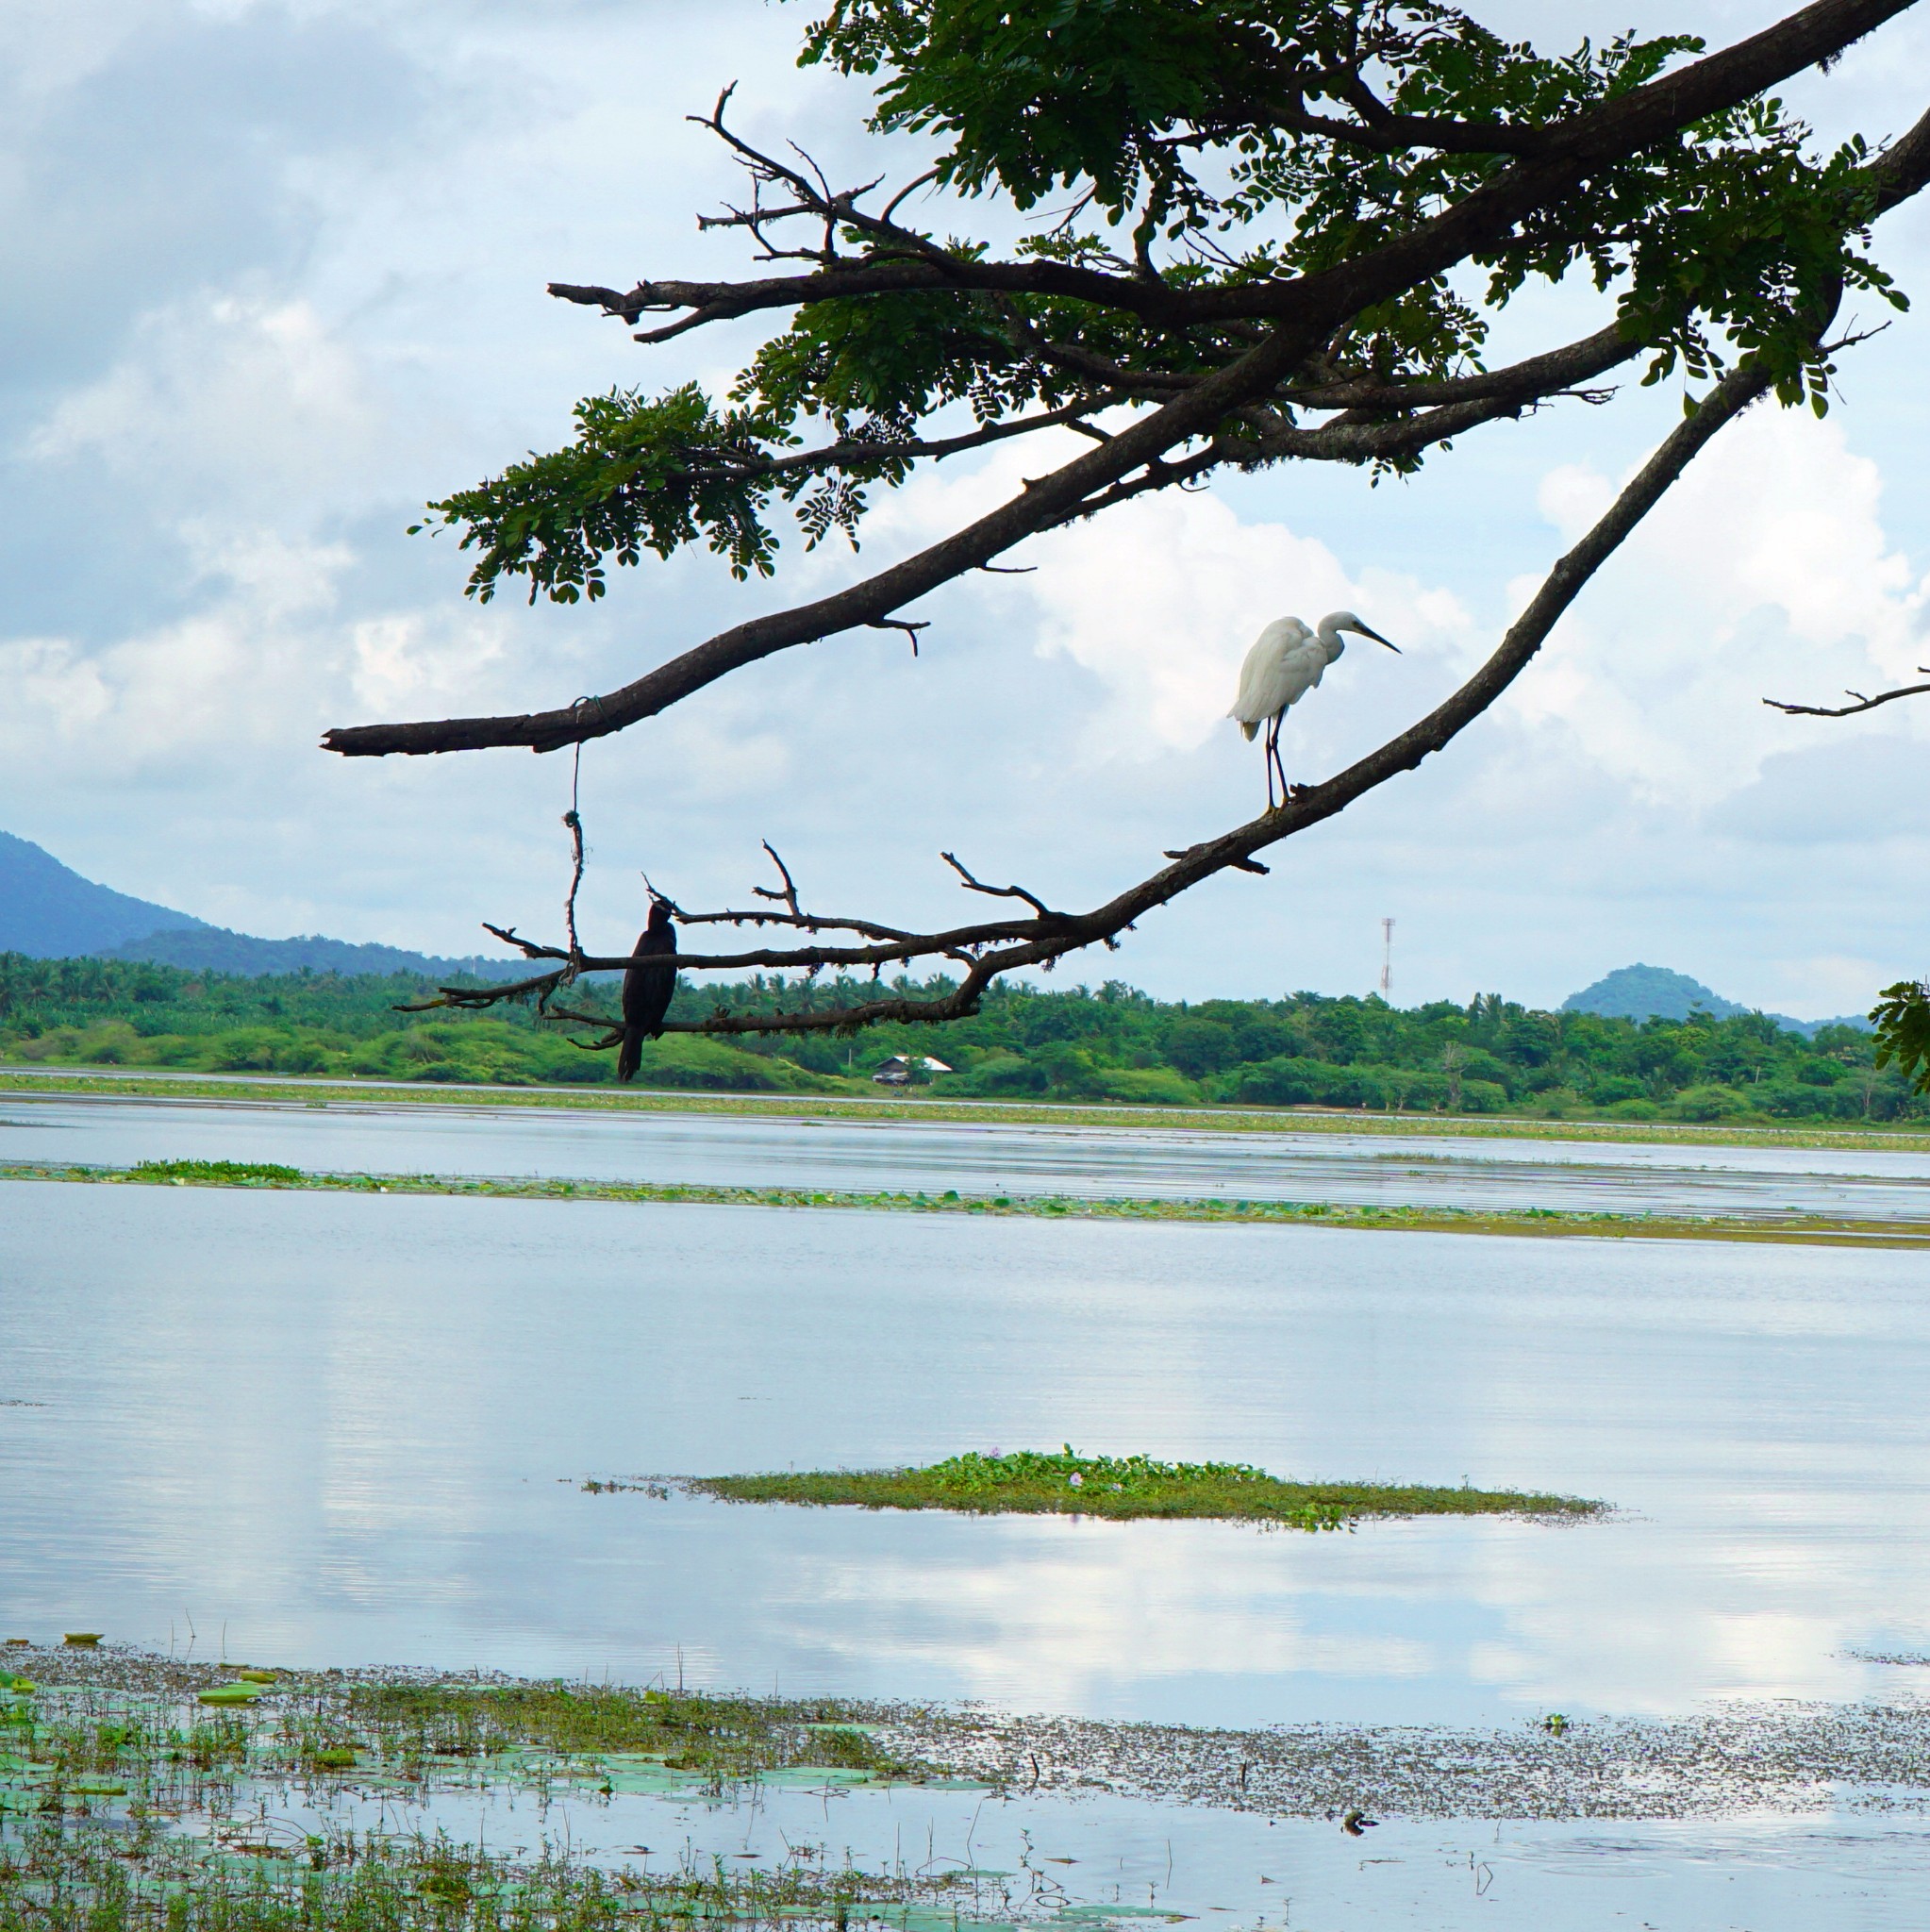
(1862,704)
(789,895)
(530,949)
(909,188)
(973,884)
(910,628)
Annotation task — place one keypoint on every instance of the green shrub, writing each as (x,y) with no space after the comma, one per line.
(1709,1104)
(1150,1087)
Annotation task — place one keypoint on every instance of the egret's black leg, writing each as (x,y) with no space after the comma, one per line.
(1277,768)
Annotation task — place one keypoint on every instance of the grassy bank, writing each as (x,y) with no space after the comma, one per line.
(922,1106)
(1026,1482)
(1815,1230)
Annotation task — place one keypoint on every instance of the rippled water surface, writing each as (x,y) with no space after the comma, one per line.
(332,1428)
(986,1157)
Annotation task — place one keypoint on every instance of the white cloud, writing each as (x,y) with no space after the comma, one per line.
(1765,573)
(223,398)
(337,220)
(1159,600)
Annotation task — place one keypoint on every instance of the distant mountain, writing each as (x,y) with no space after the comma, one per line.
(50,913)
(214,949)
(1644,992)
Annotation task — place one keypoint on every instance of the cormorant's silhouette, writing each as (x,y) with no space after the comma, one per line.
(647,990)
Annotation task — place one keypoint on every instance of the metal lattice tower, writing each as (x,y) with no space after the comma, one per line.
(1386,959)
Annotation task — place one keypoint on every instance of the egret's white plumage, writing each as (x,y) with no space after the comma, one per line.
(1266,684)
(1287,661)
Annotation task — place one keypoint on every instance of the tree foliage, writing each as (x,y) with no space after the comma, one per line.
(1248,141)
(1255,232)
(1113,1044)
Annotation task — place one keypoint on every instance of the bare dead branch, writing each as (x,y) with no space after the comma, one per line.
(787,895)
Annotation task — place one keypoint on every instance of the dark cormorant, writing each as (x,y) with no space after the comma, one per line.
(647,990)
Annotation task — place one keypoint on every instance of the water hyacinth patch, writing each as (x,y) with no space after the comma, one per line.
(1067,1483)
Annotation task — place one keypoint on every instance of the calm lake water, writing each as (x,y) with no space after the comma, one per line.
(984,1158)
(341,1429)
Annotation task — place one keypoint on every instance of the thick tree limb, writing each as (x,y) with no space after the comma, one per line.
(1003,946)
(1305,309)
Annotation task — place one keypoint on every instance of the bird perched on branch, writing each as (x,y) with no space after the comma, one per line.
(1286,663)
(647,990)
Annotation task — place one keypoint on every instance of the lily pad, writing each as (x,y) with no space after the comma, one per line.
(231,1693)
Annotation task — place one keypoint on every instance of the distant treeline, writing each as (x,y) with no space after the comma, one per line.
(1116,1044)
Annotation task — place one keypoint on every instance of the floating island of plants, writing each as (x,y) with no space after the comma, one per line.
(1069,1484)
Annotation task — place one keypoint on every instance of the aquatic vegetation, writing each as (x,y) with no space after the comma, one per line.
(220,1173)
(89,1877)
(124,1809)
(1068,1484)
(154,1724)
(1813,1229)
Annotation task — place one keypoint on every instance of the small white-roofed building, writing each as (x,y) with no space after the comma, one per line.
(901,1070)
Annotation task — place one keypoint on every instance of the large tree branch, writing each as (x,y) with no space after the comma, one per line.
(999,947)
(1102,475)
(1542,374)
(1041,506)
(1565,153)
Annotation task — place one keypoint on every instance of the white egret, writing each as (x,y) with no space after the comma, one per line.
(1285,663)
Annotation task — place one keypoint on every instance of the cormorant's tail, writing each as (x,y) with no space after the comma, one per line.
(630,1055)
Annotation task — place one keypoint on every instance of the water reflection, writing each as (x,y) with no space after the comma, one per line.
(1771,1875)
(977,1158)
(349,1429)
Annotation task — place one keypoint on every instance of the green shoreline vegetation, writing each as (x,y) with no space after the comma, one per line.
(1814,1230)
(1492,1060)
(1068,1484)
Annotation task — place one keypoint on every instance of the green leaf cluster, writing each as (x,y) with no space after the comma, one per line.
(1206,128)
(1901,1017)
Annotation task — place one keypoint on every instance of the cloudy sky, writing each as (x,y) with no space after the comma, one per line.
(274,275)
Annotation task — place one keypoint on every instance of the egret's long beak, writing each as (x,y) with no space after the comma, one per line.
(1379,639)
